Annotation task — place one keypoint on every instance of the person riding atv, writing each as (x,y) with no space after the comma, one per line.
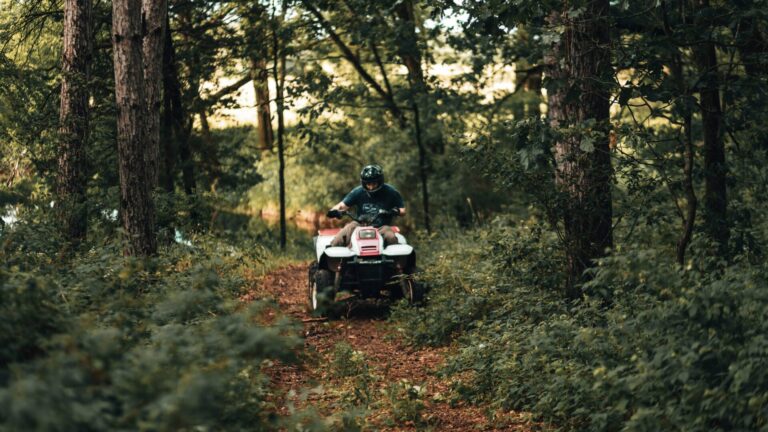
(373,198)
(368,258)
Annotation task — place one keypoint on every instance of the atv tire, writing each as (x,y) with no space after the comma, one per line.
(321,292)
(412,290)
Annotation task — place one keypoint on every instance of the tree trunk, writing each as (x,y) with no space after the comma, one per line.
(185,155)
(168,126)
(136,207)
(715,168)
(426,126)
(582,72)
(181,128)
(260,75)
(73,119)
(153,20)
(183,121)
(422,169)
(279,76)
(408,49)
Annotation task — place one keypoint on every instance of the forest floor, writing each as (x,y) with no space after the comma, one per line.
(357,364)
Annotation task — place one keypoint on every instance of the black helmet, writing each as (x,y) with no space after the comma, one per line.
(372,174)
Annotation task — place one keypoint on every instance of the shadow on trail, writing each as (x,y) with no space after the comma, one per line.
(354,309)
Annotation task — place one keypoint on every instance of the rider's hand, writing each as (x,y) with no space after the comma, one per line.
(333,214)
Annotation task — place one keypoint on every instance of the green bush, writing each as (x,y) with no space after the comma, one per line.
(106,342)
(30,315)
(651,347)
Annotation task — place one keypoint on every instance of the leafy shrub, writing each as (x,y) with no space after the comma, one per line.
(346,362)
(651,347)
(30,315)
(477,277)
(405,401)
(107,342)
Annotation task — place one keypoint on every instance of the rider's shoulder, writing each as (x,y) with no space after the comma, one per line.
(390,187)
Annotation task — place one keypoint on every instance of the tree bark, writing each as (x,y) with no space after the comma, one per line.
(715,168)
(136,207)
(581,69)
(260,75)
(73,119)
(153,23)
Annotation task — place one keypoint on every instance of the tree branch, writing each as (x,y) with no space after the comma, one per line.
(355,61)
(381,65)
(224,91)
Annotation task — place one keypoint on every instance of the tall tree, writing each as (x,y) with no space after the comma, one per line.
(408,48)
(280,56)
(154,14)
(73,118)
(260,75)
(579,94)
(715,169)
(177,127)
(257,51)
(136,207)
(427,130)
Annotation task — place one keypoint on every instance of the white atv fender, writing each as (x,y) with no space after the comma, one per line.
(338,252)
(398,250)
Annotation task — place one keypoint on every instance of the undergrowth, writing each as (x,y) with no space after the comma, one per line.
(650,347)
(365,400)
(99,341)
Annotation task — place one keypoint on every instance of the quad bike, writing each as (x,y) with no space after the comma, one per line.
(365,268)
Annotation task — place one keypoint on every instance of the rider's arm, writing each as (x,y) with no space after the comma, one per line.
(402,211)
(340,206)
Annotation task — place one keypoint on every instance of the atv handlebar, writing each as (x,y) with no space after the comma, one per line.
(365,219)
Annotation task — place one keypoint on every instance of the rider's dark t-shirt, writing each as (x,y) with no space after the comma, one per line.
(369,203)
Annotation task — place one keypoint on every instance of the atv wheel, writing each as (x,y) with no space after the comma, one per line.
(321,293)
(412,290)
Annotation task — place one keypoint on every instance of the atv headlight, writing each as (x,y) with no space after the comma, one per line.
(367,234)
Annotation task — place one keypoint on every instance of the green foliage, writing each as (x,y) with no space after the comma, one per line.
(105,342)
(405,401)
(92,340)
(30,316)
(474,277)
(650,347)
(347,362)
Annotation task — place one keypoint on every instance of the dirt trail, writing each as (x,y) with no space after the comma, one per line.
(388,363)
